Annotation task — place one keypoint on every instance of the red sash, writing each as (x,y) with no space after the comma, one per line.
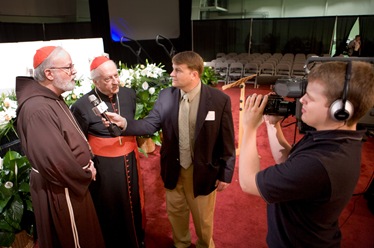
(113,147)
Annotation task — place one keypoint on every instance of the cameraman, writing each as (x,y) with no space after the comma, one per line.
(313,180)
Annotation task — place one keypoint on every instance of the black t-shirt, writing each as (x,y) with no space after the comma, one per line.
(307,193)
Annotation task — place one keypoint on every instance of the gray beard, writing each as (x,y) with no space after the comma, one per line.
(64,85)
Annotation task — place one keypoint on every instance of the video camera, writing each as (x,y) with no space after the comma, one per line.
(295,88)
(289,88)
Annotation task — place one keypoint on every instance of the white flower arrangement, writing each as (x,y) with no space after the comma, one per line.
(8,107)
(8,111)
(147,81)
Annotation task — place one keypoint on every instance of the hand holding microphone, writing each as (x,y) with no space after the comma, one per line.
(116,119)
(100,109)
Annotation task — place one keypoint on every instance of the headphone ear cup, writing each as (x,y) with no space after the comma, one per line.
(340,113)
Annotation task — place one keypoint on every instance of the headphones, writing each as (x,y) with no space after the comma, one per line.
(342,109)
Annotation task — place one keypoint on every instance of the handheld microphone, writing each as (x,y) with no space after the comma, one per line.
(100,109)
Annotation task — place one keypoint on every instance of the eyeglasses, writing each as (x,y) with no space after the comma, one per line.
(67,69)
(110,78)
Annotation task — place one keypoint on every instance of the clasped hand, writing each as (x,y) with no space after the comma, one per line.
(90,167)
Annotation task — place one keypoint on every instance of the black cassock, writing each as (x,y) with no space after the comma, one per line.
(116,192)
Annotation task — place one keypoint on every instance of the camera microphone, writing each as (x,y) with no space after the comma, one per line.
(100,109)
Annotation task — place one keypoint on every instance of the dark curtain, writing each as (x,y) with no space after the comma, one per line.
(270,35)
(367,35)
(76,30)
(344,25)
(237,32)
(263,39)
(100,22)
(18,32)
(214,36)
(314,33)
(295,35)
(208,38)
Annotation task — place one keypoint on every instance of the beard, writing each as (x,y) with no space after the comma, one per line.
(64,84)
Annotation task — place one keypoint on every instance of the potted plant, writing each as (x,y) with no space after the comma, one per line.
(16,212)
(147,81)
(210,76)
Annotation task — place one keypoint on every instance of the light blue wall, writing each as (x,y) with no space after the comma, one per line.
(44,11)
(285,8)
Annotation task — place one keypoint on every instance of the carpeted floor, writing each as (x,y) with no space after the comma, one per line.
(240,219)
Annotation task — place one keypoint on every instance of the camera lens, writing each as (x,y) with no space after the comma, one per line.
(276,105)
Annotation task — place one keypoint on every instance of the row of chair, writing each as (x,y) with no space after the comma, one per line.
(233,66)
(233,71)
(250,56)
(286,62)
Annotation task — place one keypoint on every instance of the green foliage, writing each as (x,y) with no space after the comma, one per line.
(147,81)
(210,76)
(15,197)
(145,99)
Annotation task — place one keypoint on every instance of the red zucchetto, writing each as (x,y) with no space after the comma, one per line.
(97,62)
(41,54)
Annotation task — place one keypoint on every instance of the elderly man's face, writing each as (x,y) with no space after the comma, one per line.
(108,82)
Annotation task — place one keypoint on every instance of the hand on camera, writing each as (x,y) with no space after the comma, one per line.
(253,110)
